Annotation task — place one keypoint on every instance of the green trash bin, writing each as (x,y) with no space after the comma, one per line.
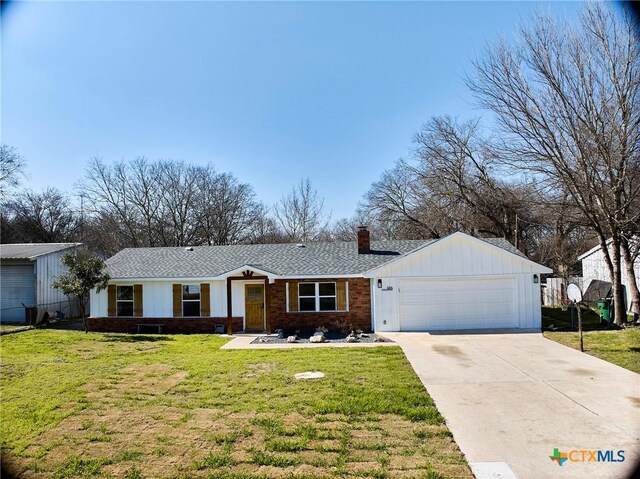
(604,305)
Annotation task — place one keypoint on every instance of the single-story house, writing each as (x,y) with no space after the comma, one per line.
(594,266)
(457,282)
(27,272)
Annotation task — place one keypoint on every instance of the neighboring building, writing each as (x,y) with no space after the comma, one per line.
(457,282)
(27,272)
(594,266)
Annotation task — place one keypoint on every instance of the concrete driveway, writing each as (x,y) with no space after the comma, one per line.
(514,398)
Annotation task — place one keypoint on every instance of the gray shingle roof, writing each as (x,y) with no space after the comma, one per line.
(505,245)
(32,250)
(339,258)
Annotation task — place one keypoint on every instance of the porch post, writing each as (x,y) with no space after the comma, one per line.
(229,308)
(266,305)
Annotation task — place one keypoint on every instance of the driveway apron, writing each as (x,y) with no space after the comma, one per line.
(510,400)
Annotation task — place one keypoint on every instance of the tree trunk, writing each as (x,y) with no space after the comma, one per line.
(632,289)
(612,260)
(620,308)
(84,316)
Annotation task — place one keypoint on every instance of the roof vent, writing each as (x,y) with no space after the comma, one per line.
(299,245)
(189,248)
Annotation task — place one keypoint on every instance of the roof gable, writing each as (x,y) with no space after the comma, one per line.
(461,254)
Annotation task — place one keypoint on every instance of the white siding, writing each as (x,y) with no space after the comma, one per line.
(385,304)
(594,266)
(48,268)
(157,299)
(98,303)
(218,299)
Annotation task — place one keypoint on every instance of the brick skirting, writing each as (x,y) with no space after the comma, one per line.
(170,325)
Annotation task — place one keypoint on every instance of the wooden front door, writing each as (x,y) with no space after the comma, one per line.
(254,306)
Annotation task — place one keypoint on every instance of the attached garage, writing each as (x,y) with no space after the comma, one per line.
(458,282)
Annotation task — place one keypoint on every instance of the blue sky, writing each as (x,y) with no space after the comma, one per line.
(272,92)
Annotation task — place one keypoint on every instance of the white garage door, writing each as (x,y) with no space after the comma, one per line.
(457,304)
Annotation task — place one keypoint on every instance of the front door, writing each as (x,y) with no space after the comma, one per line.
(254,306)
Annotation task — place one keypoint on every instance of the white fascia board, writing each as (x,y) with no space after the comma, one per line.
(539,267)
(70,246)
(160,280)
(225,275)
(595,249)
(231,273)
(320,276)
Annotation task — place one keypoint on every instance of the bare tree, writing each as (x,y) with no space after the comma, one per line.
(264,229)
(459,166)
(345,229)
(451,184)
(301,213)
(41,217)
(402,202)
(556,233)
(229,210)
(567,101)
(108,188)
(166,203)
(179,193)
(11,168)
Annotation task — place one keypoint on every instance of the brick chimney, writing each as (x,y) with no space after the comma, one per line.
(364,241)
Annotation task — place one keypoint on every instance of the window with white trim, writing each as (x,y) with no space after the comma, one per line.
(190,300)
(124,301)
(317,297)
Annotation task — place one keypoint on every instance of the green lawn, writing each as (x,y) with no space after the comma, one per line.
(621,347)
(13,328)
(106,405)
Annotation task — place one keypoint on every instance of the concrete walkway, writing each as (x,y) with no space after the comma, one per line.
(243,341)
(511,399)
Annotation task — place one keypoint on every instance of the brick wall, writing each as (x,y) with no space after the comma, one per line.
(358,316)
(171,325)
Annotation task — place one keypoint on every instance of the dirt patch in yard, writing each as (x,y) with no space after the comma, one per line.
(166,442)
(149,380)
